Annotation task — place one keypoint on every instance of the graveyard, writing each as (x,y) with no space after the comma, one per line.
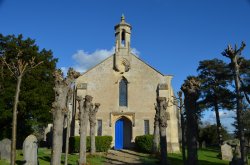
(206,157)
(125,82)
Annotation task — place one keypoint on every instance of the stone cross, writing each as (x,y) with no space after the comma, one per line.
(30,150)
(5,149)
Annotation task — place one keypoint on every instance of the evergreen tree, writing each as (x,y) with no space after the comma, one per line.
(36,91)
(215,77)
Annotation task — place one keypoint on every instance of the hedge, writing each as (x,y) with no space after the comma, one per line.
(144,143)
(102,143)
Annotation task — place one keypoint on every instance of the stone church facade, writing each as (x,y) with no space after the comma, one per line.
(127,88)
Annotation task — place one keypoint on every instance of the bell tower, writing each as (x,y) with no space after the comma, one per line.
(122,46)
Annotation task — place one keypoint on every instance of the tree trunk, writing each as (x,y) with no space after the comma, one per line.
(92,120)
(183,148)
(92,140)
(219,134)
(156,139)
(163,143)
(59,109)
(58,117)
(191,132)
(84,118)
(14,120)
(156,136)
(239,111)
(162,105)
(191,92)
(67,138)
(83,136)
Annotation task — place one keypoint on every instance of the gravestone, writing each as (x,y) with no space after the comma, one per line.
(226,152)
(203,145)
(5,149)
(30,150)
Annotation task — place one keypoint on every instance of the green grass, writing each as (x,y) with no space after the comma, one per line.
(44,158)
(206,157)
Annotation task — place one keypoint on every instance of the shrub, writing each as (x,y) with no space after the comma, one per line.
(102,143)
(144,143)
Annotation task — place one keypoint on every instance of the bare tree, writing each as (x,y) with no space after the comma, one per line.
(92,121)
(191,89)
(234,55)
(162,107)
(18,67)
(59,110)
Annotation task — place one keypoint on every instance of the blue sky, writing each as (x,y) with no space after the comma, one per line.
(170,35)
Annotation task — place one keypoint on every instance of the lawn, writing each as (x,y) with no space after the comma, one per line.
(44,158)
(206,157)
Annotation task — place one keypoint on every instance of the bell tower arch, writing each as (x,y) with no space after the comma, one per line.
(122,46)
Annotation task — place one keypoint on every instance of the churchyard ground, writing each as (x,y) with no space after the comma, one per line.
(206,157)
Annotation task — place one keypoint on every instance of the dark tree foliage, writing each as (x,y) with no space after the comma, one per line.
(208,134)
(246,124)
(245,78)
(215,78)
(36,94)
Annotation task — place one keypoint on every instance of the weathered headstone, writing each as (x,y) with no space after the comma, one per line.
(30,150)
(226,152)
(5,149)
(203,145)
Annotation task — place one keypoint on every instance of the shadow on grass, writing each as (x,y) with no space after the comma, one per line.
(45,158)
(177,161)
(20,162)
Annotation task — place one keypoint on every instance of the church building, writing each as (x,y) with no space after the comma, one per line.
(127,88)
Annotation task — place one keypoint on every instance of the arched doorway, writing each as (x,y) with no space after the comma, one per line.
(123,133)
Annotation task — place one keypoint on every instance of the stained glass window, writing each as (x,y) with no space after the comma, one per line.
(123,92)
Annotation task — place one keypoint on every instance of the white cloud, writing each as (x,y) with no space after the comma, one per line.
(135,52)
(85,60)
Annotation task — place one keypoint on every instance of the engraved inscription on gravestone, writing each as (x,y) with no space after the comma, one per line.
(163,86)
(82,86)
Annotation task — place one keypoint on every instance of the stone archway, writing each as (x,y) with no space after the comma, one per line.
(123,133)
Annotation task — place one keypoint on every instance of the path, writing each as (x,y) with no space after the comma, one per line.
(129,157)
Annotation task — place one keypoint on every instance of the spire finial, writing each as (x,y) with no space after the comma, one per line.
(123,18)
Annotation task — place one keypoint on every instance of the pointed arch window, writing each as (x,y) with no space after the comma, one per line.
(123,38)
(123,92)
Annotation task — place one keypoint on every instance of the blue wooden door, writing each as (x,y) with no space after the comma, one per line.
(119,134)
